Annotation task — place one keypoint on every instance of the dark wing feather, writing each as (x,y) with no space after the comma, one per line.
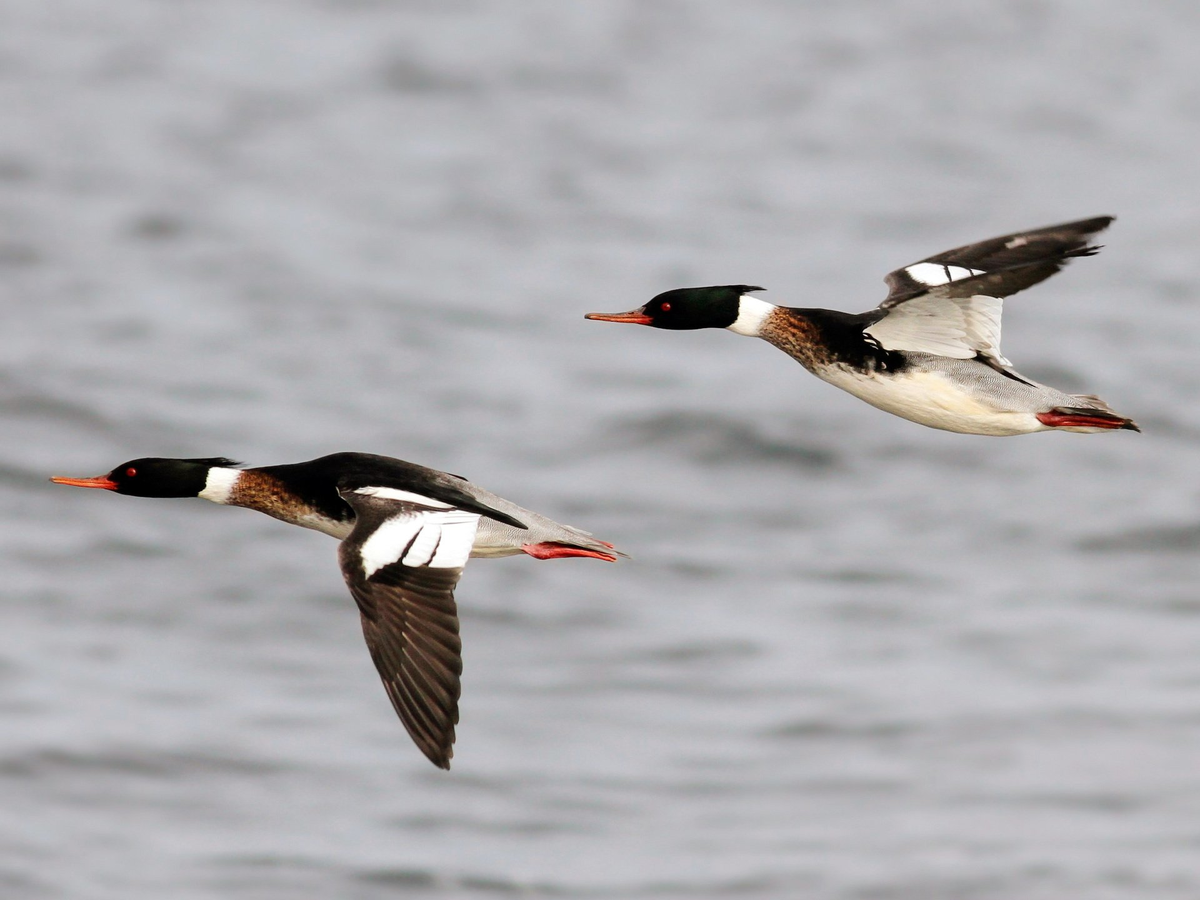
(410,623)
(998,267)
(401,563)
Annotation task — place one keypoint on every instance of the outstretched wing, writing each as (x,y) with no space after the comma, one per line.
(998,267)
(950,304)
(401,563)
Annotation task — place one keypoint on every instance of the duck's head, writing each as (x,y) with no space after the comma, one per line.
(685,309)
(154,476)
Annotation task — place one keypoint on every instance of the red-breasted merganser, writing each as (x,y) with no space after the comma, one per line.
(406,533)
(930,352)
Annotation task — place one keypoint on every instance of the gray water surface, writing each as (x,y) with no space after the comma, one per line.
(850,657)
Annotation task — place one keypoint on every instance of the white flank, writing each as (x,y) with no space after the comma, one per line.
(933,274)
(218,487)
(438,540)
(752,312)
(934,400)
(386,493)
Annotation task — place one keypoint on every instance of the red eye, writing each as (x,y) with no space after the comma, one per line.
(666,307)
(130,472)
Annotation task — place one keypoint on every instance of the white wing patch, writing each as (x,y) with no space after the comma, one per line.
(386,493)
(956,327)
(933,274)
(458,537)
(440,540)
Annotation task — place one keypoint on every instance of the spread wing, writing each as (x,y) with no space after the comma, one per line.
(950,304)
(401,563)
(998,267)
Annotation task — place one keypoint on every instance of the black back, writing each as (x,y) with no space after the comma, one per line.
(318,481)
(841,337)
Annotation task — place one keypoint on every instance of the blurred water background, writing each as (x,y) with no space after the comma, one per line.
(850,658)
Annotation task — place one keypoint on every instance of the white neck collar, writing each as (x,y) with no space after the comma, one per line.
(752,313)
(219,486)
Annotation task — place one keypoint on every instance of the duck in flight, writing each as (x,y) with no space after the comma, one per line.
(930,352)
(406,533)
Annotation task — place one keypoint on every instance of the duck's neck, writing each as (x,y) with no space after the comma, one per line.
(822,338)
(220,484)
(321,510)
(752,315)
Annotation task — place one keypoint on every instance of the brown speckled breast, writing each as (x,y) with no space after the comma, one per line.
(309,506)
(820,339)
(798,336)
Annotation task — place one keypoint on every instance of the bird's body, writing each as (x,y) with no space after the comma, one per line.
(305,494)
(406,533)
(930,352)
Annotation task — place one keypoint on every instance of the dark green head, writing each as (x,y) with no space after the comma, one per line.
(154,476)
(685,309)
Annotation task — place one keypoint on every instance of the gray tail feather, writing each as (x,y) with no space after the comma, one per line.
(1091,401)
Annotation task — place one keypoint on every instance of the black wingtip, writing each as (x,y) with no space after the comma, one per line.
(1093,225)
(1089,250)
(1081,227)
(437,753)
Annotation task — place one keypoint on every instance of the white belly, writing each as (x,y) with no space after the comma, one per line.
(933,399)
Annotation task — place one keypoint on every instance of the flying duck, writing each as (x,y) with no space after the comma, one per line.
(406,533)
(930,352)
